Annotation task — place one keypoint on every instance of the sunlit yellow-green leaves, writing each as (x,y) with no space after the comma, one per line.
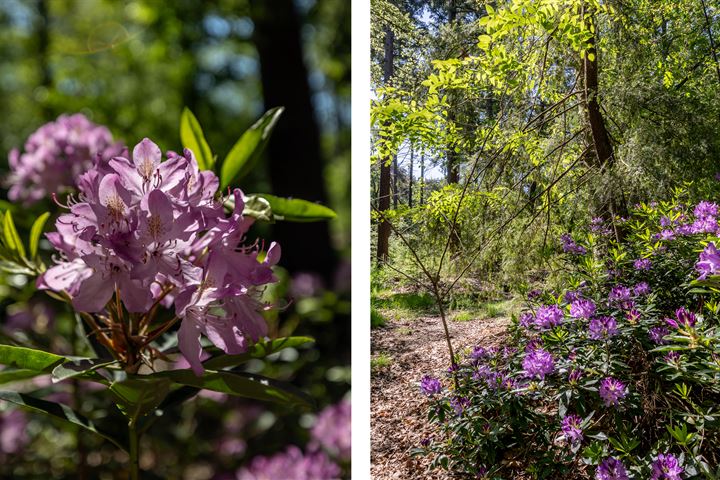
(192,137)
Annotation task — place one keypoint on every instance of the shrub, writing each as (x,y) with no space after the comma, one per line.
(615,377)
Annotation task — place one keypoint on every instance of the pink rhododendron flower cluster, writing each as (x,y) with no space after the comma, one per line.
(152,232)
(55,156)
(332,430)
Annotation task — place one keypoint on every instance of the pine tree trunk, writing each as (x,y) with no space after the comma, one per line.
(383,241)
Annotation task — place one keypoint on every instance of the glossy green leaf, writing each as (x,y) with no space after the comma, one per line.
(245,153)
(297,210)
(11,237)
(192,137)
(62,412)
(84,368)
(240,384)
(35,233)
(140,395)
(28,358)
(258,350)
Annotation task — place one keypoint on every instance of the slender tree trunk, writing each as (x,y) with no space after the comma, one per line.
(294,152)
(410,177)
(422,178)
(395,181)
(453,167)
(711,39)
(383,241)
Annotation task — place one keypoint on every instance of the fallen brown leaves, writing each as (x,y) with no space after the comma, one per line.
(398,411)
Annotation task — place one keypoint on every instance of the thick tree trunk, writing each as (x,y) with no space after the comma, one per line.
(383,241)
(602,146)
(294,152)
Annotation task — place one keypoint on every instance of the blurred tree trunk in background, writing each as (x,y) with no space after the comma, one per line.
(43,46)
(294,153)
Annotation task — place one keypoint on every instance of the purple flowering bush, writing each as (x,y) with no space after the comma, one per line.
(616,376)
(150,253)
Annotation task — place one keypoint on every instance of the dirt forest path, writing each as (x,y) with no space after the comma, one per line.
(398,410)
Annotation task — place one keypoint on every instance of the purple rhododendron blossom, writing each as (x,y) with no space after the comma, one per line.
(430,385)
(611,469)
(642,264)
(459,404)
(526,319)
(574,376)
(612,391)
(705,209)
(602,327)
(657,335)
(572,295)
(533,294)
(548,316)
(704,225)
(666,235)
(632,316)
(672,357)
(582,309)
(709,262)
(569,245)
(538,363)
(641,289)
(619,294)
(683,318)
(533,344)
(570,426)
(332,431)
(55,156)
(666,467)
(480,353)
(152,231)
(292,464)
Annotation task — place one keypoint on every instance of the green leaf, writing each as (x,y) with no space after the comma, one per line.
(28,358)
(258,350)
(84,368)
(245,153)
(297,210)
(60,411)
(35,233)
(192,137)
(240,384)
(140,395)
(10,375)
(12,239)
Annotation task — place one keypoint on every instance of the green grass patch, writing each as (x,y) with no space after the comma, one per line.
(380,362)
(376,318)
(404,331)
(464,316)
(403,301)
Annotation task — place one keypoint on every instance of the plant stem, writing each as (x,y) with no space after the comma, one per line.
(134,460)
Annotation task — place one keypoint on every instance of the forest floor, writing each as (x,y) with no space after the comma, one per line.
(403,351)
